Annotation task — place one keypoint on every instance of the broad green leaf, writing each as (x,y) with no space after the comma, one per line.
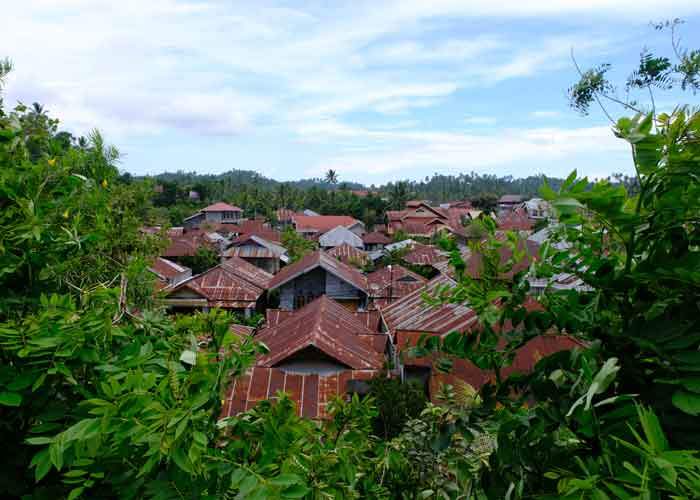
(686,401)
(10,398)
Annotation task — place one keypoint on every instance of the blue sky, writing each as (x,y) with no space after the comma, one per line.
(378,90)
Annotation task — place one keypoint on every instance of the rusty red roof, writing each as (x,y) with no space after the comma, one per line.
(187,244)
(376,238)
(221,207)
(413,313)
(327,326)
(310,392)
(425,255)
(284,214)
(242,330)
(516,220)
(252,274)
(322,223)
(168,269)
(348,254)
(321,259)
(398,282)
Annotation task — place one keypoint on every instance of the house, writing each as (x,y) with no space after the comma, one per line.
(537,208)
(411,317)
(508,202)
(319,274)
(316,225)
(422,220)
(168,272)
(193,195)
(217,213)
(425,255)
(187,243)
(260,252)
(390,283)
(514,220)
(375,241)
(235,285)
(340,235)
(375,255)
(315,354)
(255,227)
(349,255)
(284,216)
(310,213)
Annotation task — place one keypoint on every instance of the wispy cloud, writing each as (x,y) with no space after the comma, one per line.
(545,114)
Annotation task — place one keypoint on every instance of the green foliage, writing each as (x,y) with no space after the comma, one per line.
(396,402)
(204,259)
(297,246)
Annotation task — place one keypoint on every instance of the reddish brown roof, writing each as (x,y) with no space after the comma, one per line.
(322,223)
(517,220)
(186,244)
(413,313)
(404,282)
(327,326)
(168,269)
(321,259)
(311,392)
(424,255)
(348,254)
(241,330)
(376,238)
(221,207)
(285,214)
(235,284)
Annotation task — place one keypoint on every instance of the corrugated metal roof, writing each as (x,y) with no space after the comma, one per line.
(327,326)
(168,269)
(187,244)
(221,207)
(321,259)
(425,255)
(252,274)
(340,235)
(242,330)
(516,220)
(322,223)
(398,280)
(310,392)
(256,247)
(349,254)
(376,238)
(413,313)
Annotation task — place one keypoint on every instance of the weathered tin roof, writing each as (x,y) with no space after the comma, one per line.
(168,270)
(376,238)
(340,235)
(397,281)
(321,259)
(425,255)
(348,254)
(221,207)
(310,392)
(327,326)
(322,223)
(413,313)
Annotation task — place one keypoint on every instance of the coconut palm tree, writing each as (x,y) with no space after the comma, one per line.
(331,176)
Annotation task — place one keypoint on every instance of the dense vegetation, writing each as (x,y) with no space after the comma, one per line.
(99,397)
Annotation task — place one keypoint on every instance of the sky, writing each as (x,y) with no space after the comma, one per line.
(378,90)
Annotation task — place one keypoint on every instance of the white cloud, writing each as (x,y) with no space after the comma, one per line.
(480,120)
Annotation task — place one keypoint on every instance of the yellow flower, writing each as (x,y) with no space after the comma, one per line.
(104,183)
(65,214)
(52,162)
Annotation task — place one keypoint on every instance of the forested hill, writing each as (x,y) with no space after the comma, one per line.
(438,188)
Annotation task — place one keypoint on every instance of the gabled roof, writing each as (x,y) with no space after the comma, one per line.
(320,259)
(376,238)
(346,253)
(327,326)
(234,284)
(510,198)
(401,278)
(187,244)
(221,207)
(413,313)
(424,255)
(322,223)
(284,214)
(167,269)
(256,247)
(517,220)
(340,235)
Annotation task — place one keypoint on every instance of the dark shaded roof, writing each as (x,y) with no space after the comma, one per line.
(413,313)
(327,326)
(347,253)
(321,259)
(376,238)
(221,207)
(310,392)
(256,247)
(187,244)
